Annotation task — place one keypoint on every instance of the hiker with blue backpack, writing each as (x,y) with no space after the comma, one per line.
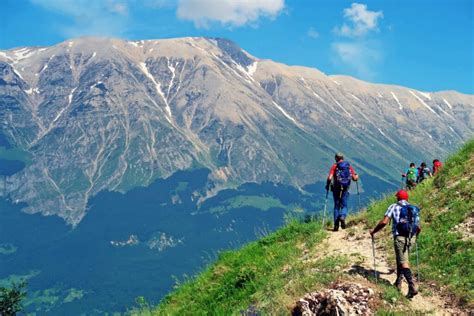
(339,180)
(405,224)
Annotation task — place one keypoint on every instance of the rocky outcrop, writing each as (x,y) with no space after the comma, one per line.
(342,299)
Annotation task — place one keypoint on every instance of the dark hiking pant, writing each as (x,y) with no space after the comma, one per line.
(341,197)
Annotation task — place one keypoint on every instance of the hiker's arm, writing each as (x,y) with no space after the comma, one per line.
(331,172)
(330,176)
(380,225)
(354,174)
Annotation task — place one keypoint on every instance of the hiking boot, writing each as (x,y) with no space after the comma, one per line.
(343,223)
(336,226)
(411,292)
(411,285)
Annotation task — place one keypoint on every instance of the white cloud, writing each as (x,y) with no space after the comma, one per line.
(362,58)
(90,17)
(312,32)
(228,12)
(360,21)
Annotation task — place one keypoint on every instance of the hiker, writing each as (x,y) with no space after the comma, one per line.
(423,173)
(339,180)
(405,224)
(411,176)
(437,165)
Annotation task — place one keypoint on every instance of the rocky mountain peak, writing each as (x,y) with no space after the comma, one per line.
(109,114)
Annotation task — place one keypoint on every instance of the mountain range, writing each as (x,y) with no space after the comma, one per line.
(99,114)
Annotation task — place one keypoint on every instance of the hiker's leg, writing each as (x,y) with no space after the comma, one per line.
(343,211)
(399,245)
(337,207)
(404,244)
(344,200)
(398,280)
(335,195)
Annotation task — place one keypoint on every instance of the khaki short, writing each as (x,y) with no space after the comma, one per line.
(402,245)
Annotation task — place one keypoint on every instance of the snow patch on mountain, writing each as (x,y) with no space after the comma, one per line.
(17,73)
(400,106)
(4,55)
(23,53)
(307,86)
(357,99)
(425,94)
(144,68)
(447,103)
(423,102)
(44,68)
(46,64)
(284,112)
(252,68)
(445,113)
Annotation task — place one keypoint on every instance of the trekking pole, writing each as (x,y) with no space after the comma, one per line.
(417,261)
(373,253)
(358,193)
(325,206)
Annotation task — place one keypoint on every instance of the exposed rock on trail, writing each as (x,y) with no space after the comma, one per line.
(342,299)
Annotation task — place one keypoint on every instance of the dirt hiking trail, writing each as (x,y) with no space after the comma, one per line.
(355,243)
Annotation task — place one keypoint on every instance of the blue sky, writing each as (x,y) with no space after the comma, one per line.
(427,45)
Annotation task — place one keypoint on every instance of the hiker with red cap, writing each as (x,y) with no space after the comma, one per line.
(339,180)
(405,224)
(437,165)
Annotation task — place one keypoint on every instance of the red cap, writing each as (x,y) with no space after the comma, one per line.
(402,195)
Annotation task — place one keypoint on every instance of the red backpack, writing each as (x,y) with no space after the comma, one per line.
(437,166)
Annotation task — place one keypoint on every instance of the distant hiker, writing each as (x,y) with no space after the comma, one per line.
(339,180)
(423,172)
(411,176)
(405,224)
(437,165)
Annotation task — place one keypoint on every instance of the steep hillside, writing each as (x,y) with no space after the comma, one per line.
(272,274)
(97,114)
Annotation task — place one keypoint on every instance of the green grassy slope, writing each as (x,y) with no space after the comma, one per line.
(269,275)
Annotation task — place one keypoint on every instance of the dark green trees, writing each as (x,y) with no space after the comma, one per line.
(11,298)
